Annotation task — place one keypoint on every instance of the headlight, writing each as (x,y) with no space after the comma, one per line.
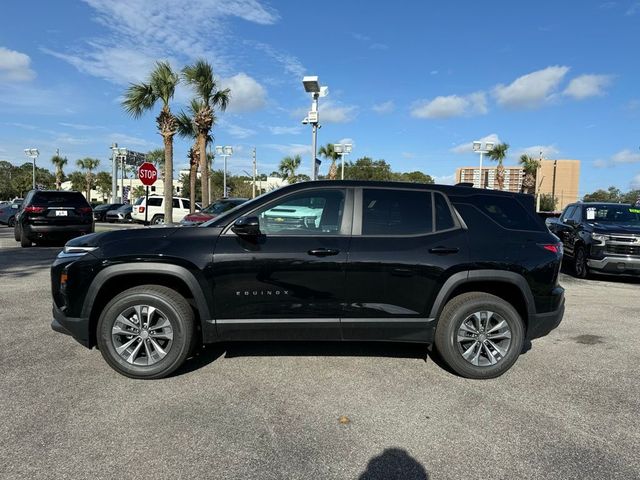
(70,251)
(599,239)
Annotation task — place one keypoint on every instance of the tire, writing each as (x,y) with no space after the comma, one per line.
(16,233)
(172,310)
(24,241)
(11,222)
(580,268)
(157,220)
(479,362)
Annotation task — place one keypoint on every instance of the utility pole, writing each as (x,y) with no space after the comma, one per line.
(114,171)
(553,186)
(255,169)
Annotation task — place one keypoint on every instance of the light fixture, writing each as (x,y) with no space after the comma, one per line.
(311,84)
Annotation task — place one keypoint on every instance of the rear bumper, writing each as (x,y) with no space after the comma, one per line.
(78,328)
(621,265)
(541,324)
(41,230)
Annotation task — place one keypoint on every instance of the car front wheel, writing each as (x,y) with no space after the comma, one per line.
(580,263)
(479,335)
(146,332)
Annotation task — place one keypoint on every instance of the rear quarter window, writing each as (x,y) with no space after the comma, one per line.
(505,211)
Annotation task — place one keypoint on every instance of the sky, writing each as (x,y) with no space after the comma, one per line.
(413,82)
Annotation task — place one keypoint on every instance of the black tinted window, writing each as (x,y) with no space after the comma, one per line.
(65,199)
(176,203)
(154,202)
(444,219)
(506,211)
(186,204)
(396,212)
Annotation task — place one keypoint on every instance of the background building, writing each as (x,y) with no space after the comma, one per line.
(559,178)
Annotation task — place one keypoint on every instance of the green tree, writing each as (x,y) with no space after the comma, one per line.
(140,98)
(288,167)
(59,162)
(328,152)
(137,192)
(103,184)
(530,168)
(7,187)
(498,153)
(548,203)
(366,168)
(413,177)
(612,194)
(209,97)
(78,180)
(88,165)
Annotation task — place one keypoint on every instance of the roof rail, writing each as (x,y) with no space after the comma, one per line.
(464,184)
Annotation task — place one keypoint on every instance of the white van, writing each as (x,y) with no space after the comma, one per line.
(154,209)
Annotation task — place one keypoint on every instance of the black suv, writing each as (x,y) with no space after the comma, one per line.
(52,215)
(473,272)
(600,237)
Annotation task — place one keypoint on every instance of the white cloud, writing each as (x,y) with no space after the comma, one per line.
(15,66)
(246,93)
(384,107)
(548,151)
(531,90)
(290,149)
(285,130)
(347,140)
(445,179)
(239,132)
(291,64)
(81,126)
(451,106)
(635,182)
(625,156)
(332,112)
(600,163)
(586,86)
(408,155)
(468,147)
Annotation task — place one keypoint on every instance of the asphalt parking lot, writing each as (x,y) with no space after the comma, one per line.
(568,409)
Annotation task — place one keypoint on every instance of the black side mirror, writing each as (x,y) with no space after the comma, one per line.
(246,226)
(570,221)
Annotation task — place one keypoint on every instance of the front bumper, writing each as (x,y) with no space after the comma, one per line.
(78,328)
(542,324)
(626,265)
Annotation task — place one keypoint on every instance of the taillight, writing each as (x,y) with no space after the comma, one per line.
(553,247)
(33,209)
(84,210)
(140,209)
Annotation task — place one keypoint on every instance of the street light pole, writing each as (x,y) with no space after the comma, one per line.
(33,154)
(255,172)
(312,86)
(224,152)
(478,147)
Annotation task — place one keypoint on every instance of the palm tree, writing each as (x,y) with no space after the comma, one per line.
(498,154)
(328,152)
(200,76)
(288,167)
(140,98)
(88,165)
(59,162)
(156,156)
(530,167)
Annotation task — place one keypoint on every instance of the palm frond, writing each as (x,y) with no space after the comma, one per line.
(163,81)
(186,128)
(221,99)
(200,77)
(139,98)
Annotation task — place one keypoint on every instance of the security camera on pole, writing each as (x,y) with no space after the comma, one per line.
(312,86)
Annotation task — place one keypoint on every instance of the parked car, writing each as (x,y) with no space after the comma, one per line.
(155,209)
(600,237)
(100,211)
(472,272)
(216,208)
(120,215)
(52,215)
(8,212)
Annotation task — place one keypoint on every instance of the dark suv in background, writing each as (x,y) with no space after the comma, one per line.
(473,272)
(600,237)
(47,215)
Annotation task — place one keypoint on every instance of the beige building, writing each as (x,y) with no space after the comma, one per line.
(555,177)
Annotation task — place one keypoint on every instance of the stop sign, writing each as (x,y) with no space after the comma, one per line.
(147,173)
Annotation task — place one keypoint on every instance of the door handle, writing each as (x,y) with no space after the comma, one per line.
(443,250)
(323,252)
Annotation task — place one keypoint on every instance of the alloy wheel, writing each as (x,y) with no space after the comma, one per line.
(580,263)
(142,335)
(483,338)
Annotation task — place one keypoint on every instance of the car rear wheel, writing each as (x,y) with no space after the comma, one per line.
(157,220)
(146,332)
(479,335)
(25,242)
(580,267)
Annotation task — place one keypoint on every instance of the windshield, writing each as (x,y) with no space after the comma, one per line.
(219,207)
(620,214)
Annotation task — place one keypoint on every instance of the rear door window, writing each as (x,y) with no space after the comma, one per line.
(154,202)
(505,211)
(396,212)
